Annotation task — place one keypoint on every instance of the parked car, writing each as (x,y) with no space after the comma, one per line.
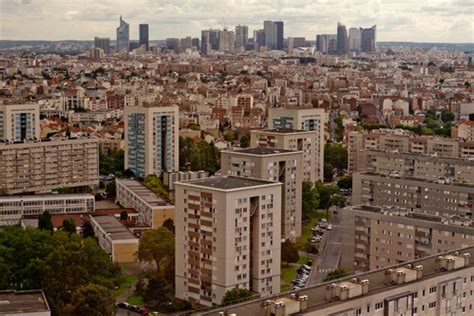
(329,227)
(323,220)
(143,311)
(316,239)
(123,305)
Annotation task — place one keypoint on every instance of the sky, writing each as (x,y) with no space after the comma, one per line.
(397,20)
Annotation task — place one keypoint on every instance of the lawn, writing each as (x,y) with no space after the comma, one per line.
(303,260)
(288,274)
(135,299)
(127,279)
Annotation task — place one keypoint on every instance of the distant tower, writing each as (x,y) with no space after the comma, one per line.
(368,39)
(268,29)
(354,39)
(143,38)
(341,39)
(123,35)
(241,36)
(103,43)
(278,33)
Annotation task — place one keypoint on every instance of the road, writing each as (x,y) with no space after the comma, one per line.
(330,254)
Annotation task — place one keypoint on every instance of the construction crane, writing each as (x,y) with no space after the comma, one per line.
(223,24)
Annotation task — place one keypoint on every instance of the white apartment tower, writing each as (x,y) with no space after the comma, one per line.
(19,122)
(227,236)
(151,139)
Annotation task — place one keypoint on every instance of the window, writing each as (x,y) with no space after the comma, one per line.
(378,305)
(433,289)
(358,312)
(432,305)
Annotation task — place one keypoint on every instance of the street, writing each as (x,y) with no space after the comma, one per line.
(330,252)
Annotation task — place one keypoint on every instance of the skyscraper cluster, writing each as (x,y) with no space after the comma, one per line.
(357,39)
(123,39)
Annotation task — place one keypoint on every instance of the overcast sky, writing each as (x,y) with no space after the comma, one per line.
(397,20)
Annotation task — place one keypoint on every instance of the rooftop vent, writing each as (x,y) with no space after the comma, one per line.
(453,262)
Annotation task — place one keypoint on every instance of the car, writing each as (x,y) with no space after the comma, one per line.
(123,305)
(143,311)
(310,262)
(307,267)
(329,227)
(316,239)
(315,228)
(134,308)
(323,220)
(303,270)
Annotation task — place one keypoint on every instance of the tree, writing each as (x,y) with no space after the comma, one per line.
(92,299)
(110,189)
(69,225)
(310,199)
(447,116)
(345,182)
(336,274)
(338,200)
(245,141)
(230,136)
(328,172)
(157,291)
(326,191)
(87,230)
(236,294)
(289,252)
(169,224)
(44,221)
(336,155)
(157,245)
(154,183)
(112,162)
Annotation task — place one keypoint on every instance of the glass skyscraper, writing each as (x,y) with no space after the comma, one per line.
(143,36)
(123,35)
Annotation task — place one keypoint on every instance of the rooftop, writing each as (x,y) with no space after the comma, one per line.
(18,302)
(113,227)
(227,183)
(283,130)
(143,192)
(262,151)
(376,284)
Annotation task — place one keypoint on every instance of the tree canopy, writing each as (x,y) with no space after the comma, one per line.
(203,156)
(310,199)
(336,155)
(111,162)
(93,300)
(158,246)
(44,221)
(59,263)
(289,252)
(236,294)
(345,182)
(336,274)
(69,225)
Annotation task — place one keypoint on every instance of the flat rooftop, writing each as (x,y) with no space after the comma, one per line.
(284,130)
(47,197)
(228,183)
(143,192)
(262,151)
(415,179)
(317,293)
(113,227)
(18,302)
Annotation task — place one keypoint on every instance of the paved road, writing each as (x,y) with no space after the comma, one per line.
(330,254)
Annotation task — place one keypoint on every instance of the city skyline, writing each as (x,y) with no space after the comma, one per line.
(83,20)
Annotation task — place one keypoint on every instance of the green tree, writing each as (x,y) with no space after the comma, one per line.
(169,224)
(289,252)
(110,189)
(336,274)
(112,162)
(338,200)
(158,290)
(230,136)
(154,183)
(236,294)
(87,230)
(345,182)
(123,215)
(93,300)
(245,141)
(310,200)
(157,246)
(336,155)
(69,225)
(44,221)
(447,116)
(328,172)
(326,192)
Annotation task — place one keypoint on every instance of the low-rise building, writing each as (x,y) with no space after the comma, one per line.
(152,209)
(14,208)
(24,303)
(114,238)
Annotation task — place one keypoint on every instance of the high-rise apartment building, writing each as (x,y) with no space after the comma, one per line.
(273,164)
(308,142)
(278,35)
(209,41)
(438,285)
(143,36)
(269,34)
(354,39)
(342,45)
(123,35)
(226,41)
(438,197)
(241,36)
(368,39)
(227,236)
(102,43)
(258,39)
(322,43)
(19,122)
(378,237)
(47,165)
(151,138)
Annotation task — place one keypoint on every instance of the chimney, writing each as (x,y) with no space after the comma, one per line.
(365,286)
(419,272)
(303,302)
